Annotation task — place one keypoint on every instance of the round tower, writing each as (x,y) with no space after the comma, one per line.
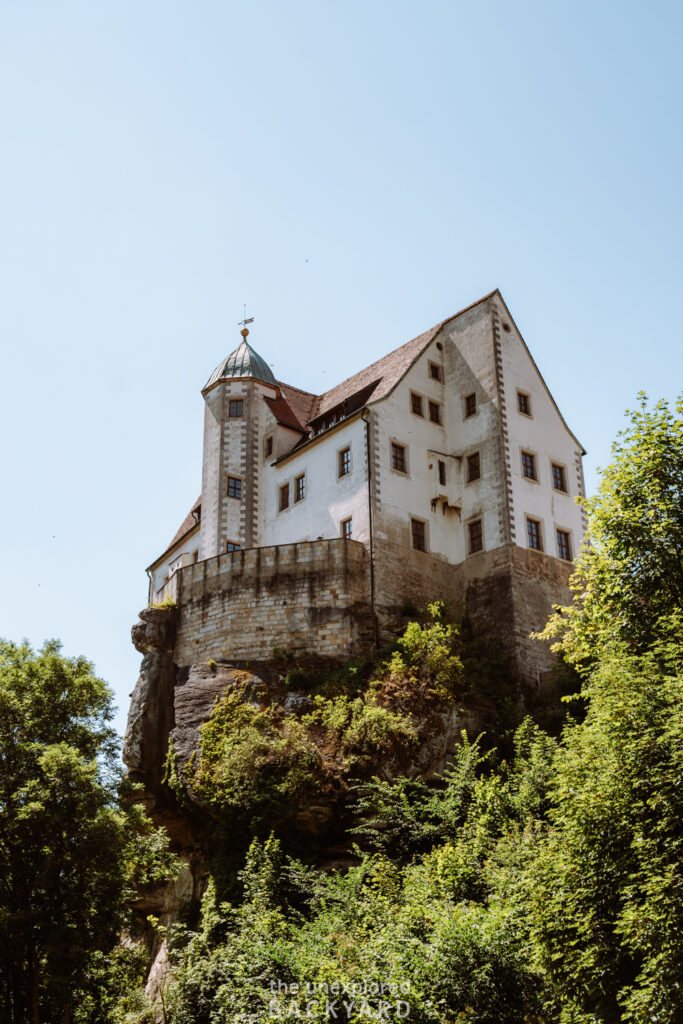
(233,416)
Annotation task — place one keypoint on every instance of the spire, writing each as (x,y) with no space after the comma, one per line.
(243,362)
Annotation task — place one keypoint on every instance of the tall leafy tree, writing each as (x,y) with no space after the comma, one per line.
(629,581)
(71,841)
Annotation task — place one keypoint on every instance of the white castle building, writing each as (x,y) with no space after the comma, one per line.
(448,459)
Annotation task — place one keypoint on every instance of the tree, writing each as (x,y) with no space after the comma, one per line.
(72,842)
(629,581)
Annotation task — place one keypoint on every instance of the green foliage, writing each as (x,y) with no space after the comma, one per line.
(168,604)
(73,842)
(427,662)
(607,888)
(362,728)
(630,580)
(251,766)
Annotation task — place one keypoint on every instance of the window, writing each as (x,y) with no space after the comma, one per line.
(435,371)
(231,545)
(398,457)
(529,465)
(346,528)
(476,536)
(300,487)
(269,446)
(559,482)
(442,472)
(284,497)
(564,549)
(470,405)
(416,404)
(524,403)
(235,407)
(344,461)
(435,412)
(417,529)
(234,487)
(473,467)
(533,532)
(195,555)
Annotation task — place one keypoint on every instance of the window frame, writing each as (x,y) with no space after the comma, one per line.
(563,473)
(235,415)
(525,453)
(268,446)
(471,550)
(343,523)
(438,376)
(230,479)
(417,398)
(529,413)
(299,479)
(396,446)
(415,521)
(344,465)
(468,415)
(232,545)
(283,492)
(559,532)
(443,475)
(437,408)
(538,523)
(472,456)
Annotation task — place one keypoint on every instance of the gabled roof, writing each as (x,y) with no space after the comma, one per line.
(284,414)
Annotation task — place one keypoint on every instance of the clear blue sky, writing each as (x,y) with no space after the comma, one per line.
(354,173)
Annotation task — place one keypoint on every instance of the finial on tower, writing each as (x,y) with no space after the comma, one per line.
(244,332)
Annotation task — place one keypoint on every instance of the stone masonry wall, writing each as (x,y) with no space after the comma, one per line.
(309,596)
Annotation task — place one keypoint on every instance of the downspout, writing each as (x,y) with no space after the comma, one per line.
(149,588)
(365,416)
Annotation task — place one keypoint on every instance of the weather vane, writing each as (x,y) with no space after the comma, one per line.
(245,321)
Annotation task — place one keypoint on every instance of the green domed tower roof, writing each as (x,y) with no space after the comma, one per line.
(243,362)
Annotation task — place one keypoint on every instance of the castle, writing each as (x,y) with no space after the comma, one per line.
(444,469)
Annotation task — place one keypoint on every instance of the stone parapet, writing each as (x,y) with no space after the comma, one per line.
(311,596)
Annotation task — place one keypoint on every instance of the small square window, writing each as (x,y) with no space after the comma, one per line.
(346,528)
(235,407)
(473,467)
(524,403)
(529,465)
(417,529)
(564,549)
(476,536)
(416,404)
(398,457)
(435,412)
(234,487)
(470,405)
(300,487)
(533,532)
(284,497)
(269,446)
(559,481)
(344,461)
(442,472)
(230,545)
(435,371)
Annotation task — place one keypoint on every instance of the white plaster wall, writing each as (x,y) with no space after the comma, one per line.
(406,496)
(545,435)
(329,498)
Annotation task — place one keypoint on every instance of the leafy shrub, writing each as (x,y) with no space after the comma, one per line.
(362,728)
(249,765)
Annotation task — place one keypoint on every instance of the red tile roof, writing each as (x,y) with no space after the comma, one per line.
(284,414)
